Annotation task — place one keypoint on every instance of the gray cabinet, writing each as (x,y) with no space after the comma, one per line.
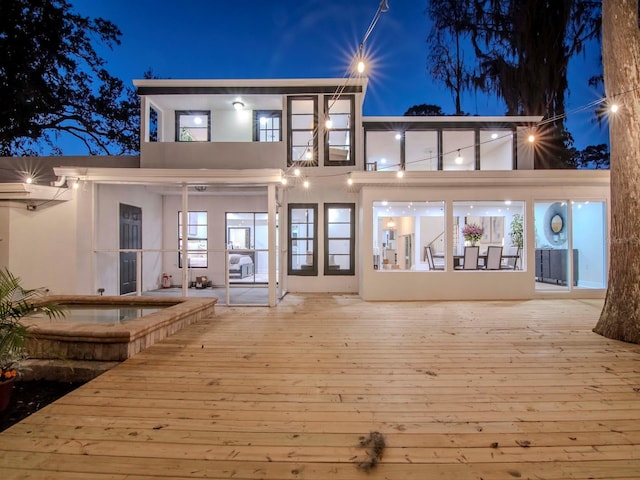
(552,266)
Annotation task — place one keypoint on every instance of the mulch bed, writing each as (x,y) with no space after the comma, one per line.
(29,397)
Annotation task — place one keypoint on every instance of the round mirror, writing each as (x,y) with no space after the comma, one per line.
(556,223)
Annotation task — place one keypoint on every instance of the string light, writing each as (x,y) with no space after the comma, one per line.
(459,158)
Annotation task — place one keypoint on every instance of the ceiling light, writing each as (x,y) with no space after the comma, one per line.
(238,105)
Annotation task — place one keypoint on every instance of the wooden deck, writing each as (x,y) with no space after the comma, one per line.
(459,390)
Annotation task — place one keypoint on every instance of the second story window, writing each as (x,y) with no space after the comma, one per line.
(193,126)
(267,126)
(303,114)
(339,131)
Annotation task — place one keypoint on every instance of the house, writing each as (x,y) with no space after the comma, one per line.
(284,186)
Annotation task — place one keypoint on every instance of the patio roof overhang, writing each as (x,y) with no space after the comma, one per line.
(170,176)
(26,192)
(510,178)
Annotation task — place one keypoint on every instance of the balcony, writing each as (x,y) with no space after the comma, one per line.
(228,155)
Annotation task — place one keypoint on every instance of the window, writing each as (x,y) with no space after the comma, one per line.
(153,124)
(196,239)
(303,148)
(339,245)
(267,126)
(459,150)
(339,136)
(489,225)
(303,239)
(193,126)
(409,235)
(383,150)
(496,150)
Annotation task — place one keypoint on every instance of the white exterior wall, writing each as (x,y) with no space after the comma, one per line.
(43,245)
(320,192)
(108,200)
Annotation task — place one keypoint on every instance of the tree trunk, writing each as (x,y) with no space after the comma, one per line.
(620,317)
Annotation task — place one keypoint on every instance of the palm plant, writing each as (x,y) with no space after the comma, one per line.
(16,303)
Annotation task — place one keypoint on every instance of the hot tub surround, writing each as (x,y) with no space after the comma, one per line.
(113,342)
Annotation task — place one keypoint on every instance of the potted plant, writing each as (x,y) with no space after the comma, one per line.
(16,303)
(516,233)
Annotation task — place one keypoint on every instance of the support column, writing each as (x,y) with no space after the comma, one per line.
(184,233)
(271,233)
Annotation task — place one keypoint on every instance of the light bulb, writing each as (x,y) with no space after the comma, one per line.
(328,123)
(614,108)
(29,180)
(398,136)
(361,66)
(400,174)
(350,181)
(296,172)
(459,159)
(283,180)
(306,184)
(531,138)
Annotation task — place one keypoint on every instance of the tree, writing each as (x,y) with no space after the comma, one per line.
(444,63)
(424,110)
(592,157)
(52,81)
(522,50)
(620,317)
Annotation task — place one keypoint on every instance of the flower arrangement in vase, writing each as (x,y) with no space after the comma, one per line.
(472,233)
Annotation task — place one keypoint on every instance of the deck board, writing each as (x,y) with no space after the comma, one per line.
(462,390)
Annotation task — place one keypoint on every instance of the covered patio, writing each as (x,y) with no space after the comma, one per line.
(457,390)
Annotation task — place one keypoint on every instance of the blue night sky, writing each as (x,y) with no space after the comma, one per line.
(238,39)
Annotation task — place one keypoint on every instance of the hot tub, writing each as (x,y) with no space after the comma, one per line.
(72,338)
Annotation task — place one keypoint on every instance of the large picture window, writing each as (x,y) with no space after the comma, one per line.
(409,235)
(340,131)
(193,126)
(267,126)
(197,242)
(303,239)
(339,245)
(303,114)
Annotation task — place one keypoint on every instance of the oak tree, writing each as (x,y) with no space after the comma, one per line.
(53,82)
(620,317)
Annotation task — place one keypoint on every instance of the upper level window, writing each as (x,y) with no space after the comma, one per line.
(153,124)
(267,126)
(339,131)
(193,126)
(302,133)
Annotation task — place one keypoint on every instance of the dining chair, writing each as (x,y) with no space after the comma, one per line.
(430,262)
(471,256)
(511,263)
(494,258)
